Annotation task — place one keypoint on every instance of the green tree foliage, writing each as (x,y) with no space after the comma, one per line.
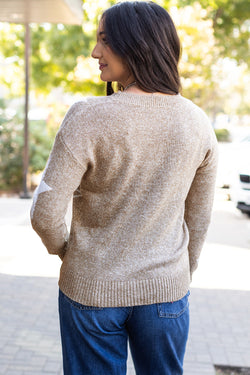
(56,51)
(12,58)
(196,66)
(60,53)
(11,144)
(231,24)
(217,83)
(11,147)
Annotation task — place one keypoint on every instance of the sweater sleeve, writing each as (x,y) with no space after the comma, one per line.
(60,179)
(198,205)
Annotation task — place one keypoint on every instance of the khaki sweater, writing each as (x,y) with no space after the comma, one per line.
(141,170)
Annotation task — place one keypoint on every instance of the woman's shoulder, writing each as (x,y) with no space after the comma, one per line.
(191,105)
(193,113)
(86,116)
(89,102)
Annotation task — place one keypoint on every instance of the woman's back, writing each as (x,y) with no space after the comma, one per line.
(139,155)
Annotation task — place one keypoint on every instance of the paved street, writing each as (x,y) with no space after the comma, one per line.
(219,301)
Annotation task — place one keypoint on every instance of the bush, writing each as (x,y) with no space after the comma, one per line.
(11,148)
(11,145)
(223,135)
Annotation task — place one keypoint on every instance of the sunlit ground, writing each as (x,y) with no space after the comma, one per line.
(225,258)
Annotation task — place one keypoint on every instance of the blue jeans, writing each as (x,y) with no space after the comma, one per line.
(94,340)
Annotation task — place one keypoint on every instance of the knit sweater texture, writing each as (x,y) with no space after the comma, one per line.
(141,170)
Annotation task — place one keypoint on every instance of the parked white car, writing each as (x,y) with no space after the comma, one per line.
(240,189)
(240,193)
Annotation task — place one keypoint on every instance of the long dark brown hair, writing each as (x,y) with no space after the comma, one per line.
(144,35)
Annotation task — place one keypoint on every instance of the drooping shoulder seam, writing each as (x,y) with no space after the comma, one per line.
(61,138)
(92,101)
(190,104)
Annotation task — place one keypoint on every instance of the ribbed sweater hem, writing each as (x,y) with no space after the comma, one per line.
(118,293)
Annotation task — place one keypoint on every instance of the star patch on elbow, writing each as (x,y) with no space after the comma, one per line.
(42,188)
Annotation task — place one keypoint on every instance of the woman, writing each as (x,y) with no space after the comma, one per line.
(140,164)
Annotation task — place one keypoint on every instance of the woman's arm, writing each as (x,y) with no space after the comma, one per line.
(198,205)
(60,179)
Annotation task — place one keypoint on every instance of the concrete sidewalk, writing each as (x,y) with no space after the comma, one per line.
(30,342)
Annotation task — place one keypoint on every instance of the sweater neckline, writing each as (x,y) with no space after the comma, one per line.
(147,100)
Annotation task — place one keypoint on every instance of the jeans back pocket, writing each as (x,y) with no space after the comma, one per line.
(175,309)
